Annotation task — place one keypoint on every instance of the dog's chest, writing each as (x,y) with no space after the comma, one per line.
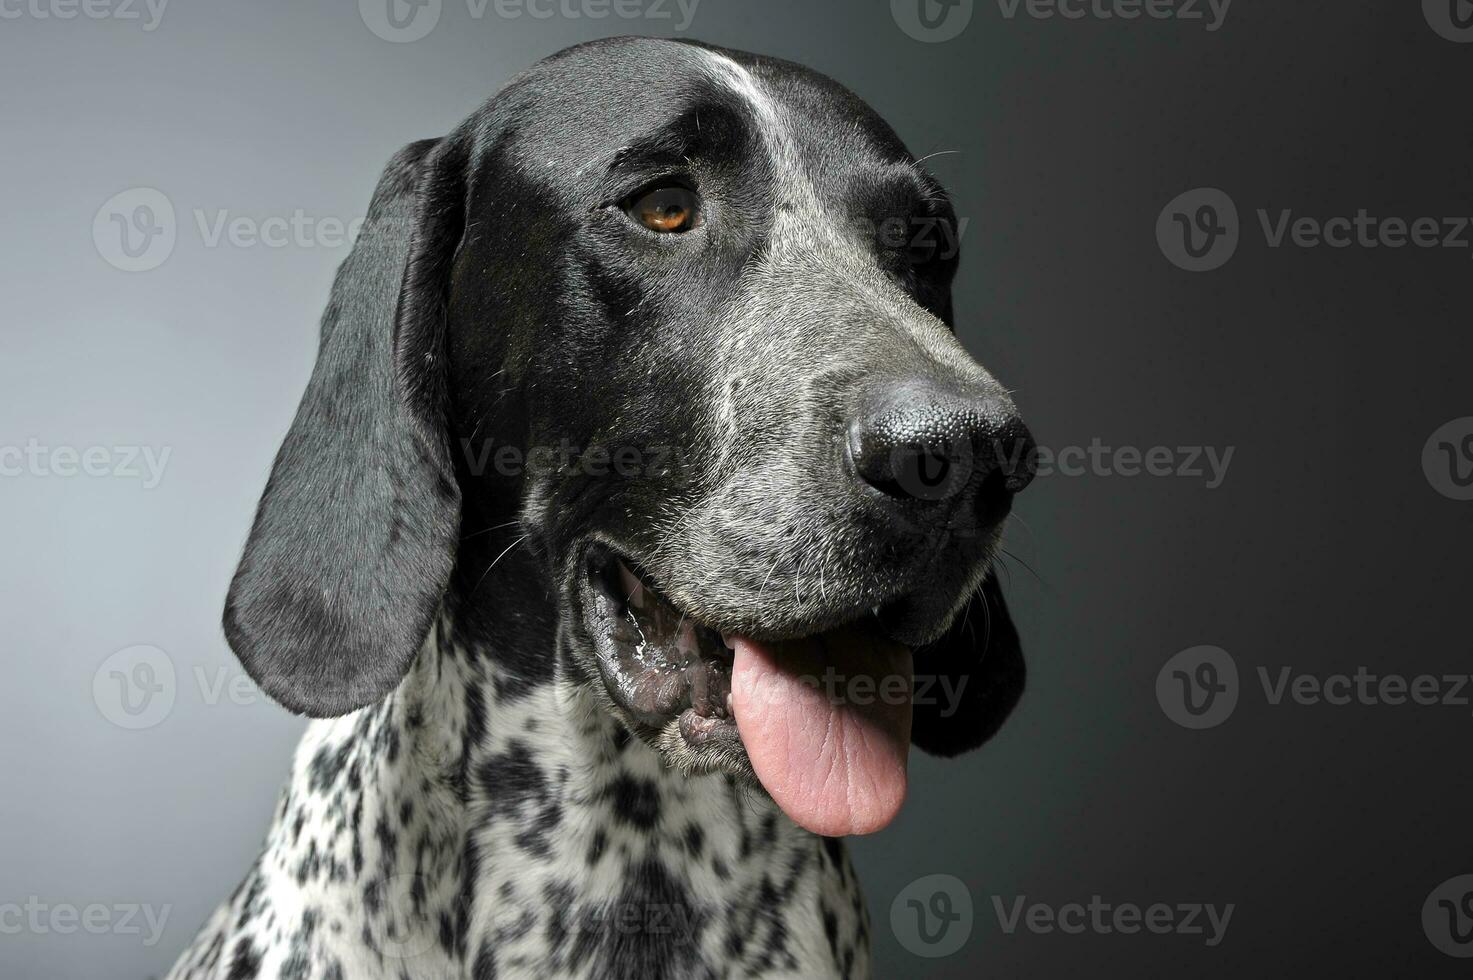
(603,863)
(435,837)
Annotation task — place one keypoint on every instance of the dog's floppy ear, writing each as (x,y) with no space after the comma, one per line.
(969,680)
(354,539)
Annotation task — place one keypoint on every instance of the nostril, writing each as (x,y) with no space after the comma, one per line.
(923,468)
(922,443)
(907,469)
(1014,456)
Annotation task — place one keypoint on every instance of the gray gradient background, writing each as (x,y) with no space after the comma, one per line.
(1324,549)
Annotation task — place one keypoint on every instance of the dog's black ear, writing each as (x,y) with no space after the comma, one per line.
(354,539)
(968,681)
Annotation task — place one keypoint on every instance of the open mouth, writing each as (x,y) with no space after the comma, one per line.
(657,663)
(823,721)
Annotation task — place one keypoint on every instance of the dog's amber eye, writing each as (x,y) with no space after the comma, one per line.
(668,210)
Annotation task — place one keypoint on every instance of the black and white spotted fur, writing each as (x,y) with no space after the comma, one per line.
(460,828)
(473,802)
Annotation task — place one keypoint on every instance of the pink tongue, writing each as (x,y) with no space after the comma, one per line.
(826,723)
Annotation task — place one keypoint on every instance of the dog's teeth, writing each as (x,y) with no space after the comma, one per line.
(730,643)
(687,643)
(700,691)
(875,611)
(729,710)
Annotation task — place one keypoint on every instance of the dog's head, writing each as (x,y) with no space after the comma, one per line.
(675,322)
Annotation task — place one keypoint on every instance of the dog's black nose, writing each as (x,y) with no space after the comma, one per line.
(924,442)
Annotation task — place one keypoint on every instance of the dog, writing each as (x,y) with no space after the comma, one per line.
(631,419)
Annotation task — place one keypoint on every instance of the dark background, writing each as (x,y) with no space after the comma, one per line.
(1325,549)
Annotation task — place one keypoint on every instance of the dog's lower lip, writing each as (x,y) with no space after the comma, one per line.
(698,729)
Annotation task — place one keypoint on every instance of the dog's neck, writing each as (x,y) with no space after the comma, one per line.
(524,823)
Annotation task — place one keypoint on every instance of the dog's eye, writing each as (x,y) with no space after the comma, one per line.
(668,210)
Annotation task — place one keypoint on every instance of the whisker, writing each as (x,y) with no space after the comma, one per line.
(488,530)
(497,559)
(769,577)
(1026,567)
(938,153)
(986,625)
